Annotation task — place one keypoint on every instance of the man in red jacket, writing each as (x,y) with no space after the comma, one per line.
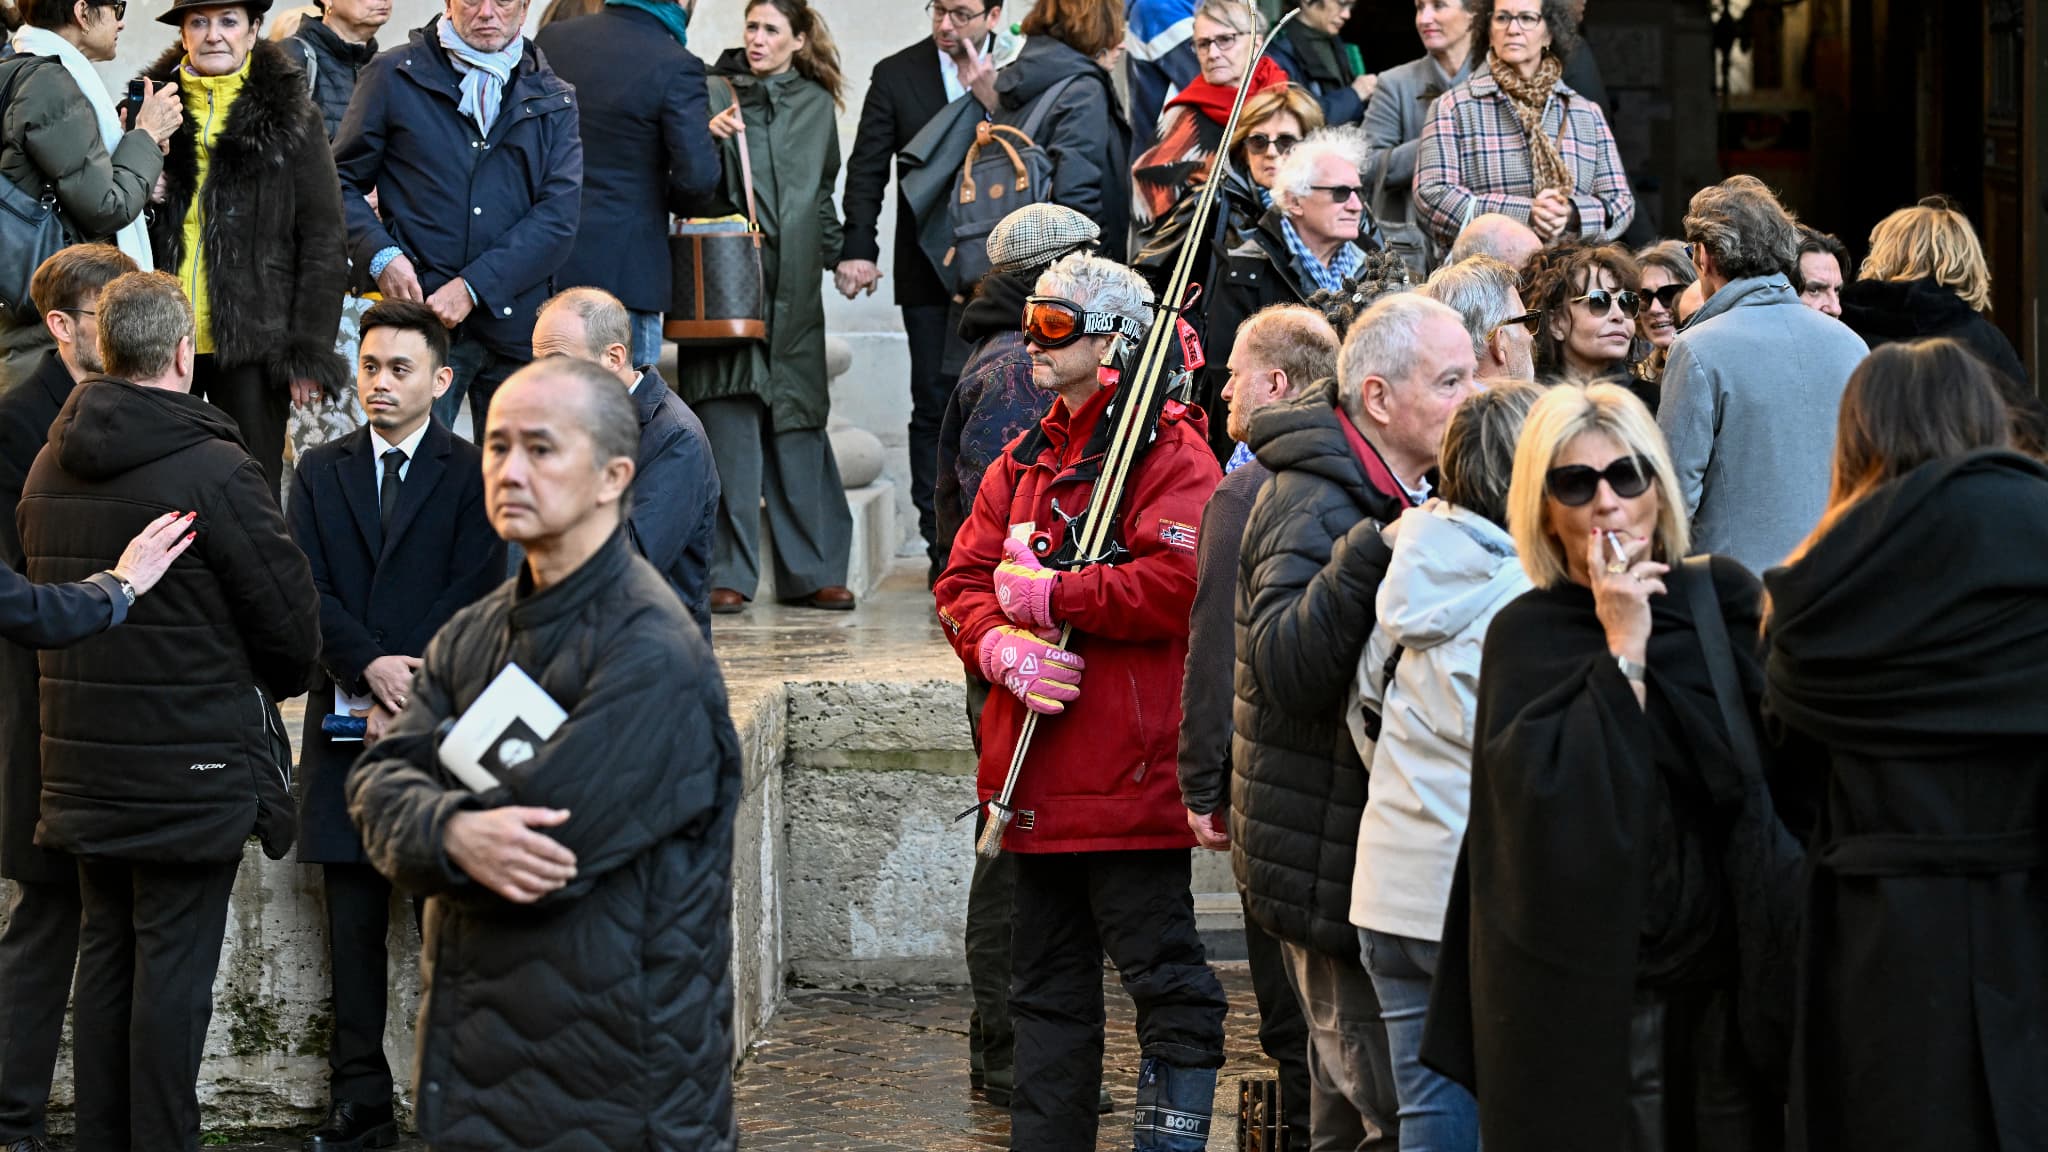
(1101,840)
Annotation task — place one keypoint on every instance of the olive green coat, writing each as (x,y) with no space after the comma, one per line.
(793,141)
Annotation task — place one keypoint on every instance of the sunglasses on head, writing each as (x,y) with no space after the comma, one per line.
(1051,322)
(1259,143)
(1600,300)
(1665,297)
(1577,484)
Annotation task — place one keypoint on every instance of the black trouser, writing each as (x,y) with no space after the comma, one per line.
(358,923)
(991,891)
(1071,908)
(1283,1032)
(148,949)
(37,953)
(930,388)
(258,405)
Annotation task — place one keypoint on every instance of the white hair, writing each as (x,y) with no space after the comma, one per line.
(1385,341)
(1100,285)
(1298,171)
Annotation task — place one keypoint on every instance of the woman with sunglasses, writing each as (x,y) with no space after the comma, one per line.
(1517,140)
(1588,298)
(1589,960)
(1906,638)
(1226,34)
(1667,273)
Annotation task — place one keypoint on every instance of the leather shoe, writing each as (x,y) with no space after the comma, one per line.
(353,1127)
(726,602)
(832,598)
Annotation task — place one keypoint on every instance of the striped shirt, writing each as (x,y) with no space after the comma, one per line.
(1474,159)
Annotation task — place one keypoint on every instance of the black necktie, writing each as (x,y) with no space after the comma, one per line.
(387,491)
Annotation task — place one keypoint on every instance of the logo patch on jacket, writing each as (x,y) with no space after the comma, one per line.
(1177,535)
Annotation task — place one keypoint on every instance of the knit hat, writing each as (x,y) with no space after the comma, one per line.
(1036,235)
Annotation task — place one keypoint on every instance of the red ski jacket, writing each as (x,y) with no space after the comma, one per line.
(1101,775)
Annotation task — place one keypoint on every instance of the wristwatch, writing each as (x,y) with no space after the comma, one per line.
(1629,668)
(127,589)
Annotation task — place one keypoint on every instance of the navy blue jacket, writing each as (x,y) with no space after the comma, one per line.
(675,495)
(647,148)
(500,212)
(380,596)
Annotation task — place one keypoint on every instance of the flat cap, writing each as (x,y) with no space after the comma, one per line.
(1036,235)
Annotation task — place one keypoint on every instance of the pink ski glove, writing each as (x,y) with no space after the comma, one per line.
(1045,676)
(1024,586)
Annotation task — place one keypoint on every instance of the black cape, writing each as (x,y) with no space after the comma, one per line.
(1590,881)
(1910,643)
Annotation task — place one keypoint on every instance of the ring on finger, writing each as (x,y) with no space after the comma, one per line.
(1617,567)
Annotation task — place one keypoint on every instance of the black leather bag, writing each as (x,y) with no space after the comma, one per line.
(718,295)
(32,226)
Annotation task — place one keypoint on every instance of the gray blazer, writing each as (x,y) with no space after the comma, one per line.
(1752,389)
(1394,119)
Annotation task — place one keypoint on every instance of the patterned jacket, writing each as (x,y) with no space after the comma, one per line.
(1474,159)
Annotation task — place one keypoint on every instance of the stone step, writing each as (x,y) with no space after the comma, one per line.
(1219,917)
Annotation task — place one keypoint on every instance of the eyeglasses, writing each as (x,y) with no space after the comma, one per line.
(1340,193)
(1051,322)
(1224,43)
(956,15)
(1259,143)
(1576,484)
(77,311)
(1532,320)
(1665,297)
(1526,21)
(120,8)
(1601,301)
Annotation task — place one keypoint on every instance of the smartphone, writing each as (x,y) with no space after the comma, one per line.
(131,103)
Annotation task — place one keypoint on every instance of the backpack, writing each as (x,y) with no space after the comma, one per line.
(1004,171)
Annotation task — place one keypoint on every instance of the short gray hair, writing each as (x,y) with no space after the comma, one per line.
(607,414)
(1292,338)
(1745,228)
(1297,172)
(142,317)
(1246,18)
(605,320)
(1477,288)
(1100,285)
(1385,341)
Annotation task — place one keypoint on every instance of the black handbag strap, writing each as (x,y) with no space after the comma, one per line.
(1707,624)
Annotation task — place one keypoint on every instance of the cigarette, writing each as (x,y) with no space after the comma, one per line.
(1614,543)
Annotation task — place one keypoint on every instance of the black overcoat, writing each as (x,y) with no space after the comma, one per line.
(381,593)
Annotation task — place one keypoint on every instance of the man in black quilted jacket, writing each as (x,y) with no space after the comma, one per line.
(578,925)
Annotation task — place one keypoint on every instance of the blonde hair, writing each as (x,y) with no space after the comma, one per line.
(1564,414)
(1925,242)
(1262,106)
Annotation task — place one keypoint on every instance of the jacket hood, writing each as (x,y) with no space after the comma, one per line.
(1303,434)
(997,307)
(109,427)
(1903,309)
(1043,62)
(1748,292)
(1450,566)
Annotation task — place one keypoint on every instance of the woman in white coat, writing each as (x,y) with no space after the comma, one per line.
(1454,566)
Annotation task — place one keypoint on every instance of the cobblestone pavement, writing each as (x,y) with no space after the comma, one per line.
(886,1071)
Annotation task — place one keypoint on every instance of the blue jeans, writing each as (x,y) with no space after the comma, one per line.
(646,337)
(1437,1114)
(478,372)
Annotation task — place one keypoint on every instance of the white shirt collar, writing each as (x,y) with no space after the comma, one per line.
(410,445)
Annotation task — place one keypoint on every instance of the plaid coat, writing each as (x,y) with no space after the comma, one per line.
(1474,159)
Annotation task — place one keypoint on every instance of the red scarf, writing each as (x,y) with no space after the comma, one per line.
(1214,100)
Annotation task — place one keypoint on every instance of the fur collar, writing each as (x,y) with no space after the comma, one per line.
(267,120)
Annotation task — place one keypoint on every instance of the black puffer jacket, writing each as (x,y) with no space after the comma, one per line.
(156,743)
(1307,577)
(601,1016)
(274,243)
(334,62)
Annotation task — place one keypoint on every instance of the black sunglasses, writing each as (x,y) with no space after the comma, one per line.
(1531,320)
(1600,300)
(1666,297)
(1258,143)
(1341,193)
(1577,484)
(120,8)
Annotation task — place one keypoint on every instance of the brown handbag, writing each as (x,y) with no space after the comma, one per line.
(718,293)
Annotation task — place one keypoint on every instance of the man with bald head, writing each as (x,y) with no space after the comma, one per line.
(673,515)
(1504,238)
(583,893)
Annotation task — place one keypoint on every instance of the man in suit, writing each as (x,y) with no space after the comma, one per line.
(392,519)
(674,510)
(905,92)
(647,150)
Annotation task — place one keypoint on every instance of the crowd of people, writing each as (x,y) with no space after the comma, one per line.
(1607,660)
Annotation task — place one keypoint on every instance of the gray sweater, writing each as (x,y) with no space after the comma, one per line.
(1751,393)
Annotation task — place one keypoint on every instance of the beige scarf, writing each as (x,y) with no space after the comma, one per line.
(1529,97)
